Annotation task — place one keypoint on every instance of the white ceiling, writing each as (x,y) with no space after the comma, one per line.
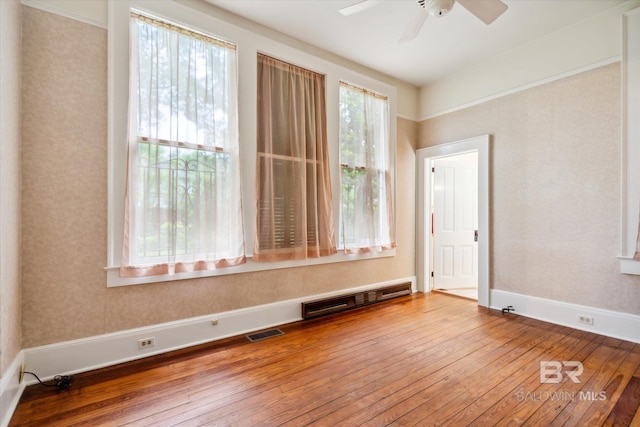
(445,44)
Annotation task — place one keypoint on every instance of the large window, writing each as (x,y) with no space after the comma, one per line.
(365,160)
(294,219)
(189,138)
(183,208)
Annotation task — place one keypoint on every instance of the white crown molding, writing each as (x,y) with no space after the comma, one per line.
(53,7)
(404,116)
(523,87)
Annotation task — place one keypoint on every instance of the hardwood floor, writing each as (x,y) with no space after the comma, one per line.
(419,360)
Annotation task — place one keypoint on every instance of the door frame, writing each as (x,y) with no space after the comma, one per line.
(424,156)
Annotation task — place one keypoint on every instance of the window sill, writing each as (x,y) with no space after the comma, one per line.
(114,279)
(628,265)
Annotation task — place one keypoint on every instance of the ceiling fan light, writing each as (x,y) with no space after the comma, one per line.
(439,8)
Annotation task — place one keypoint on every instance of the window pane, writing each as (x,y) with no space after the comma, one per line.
(184,185)
(178,189)
(183,87)
(294,218)
(278,206)
(366,220)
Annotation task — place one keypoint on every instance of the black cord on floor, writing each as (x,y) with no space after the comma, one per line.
(63,382)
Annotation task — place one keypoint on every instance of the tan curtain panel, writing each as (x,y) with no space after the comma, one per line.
(294,213)
(183,204)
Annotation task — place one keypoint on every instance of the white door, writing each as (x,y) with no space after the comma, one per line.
(455,222)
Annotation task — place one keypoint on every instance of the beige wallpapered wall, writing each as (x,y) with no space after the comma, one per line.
(10,331)
(554,210)
(555,188)
(65,207)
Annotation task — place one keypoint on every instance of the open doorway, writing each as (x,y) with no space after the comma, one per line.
(454,266)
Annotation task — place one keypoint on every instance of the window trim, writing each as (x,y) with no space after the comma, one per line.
(630,176)
(202,17)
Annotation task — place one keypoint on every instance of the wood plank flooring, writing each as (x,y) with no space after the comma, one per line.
(420,360)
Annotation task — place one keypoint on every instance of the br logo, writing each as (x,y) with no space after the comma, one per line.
(552,371)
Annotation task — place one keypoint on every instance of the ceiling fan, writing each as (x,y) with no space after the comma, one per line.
(485,10)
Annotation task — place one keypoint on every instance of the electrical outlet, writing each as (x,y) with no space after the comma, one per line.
(146,343)
(585,319)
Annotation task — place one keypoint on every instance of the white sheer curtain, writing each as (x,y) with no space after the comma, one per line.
(294,218)
(183,185)
(366,214)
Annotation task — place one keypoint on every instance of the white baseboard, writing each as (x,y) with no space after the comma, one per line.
(614,324)
(11,389)
(95,352)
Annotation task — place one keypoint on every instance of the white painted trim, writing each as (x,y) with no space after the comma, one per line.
(614,324)
(524,87)
(423,226)
(114,279)
(404,116)
(630,175)
(95,352)
(52,7)
(628,265)
(11,389)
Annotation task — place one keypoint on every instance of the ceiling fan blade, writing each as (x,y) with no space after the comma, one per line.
(358,7)
(485,10)
(415,25)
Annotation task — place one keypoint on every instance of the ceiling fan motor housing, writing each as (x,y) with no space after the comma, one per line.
(437,8)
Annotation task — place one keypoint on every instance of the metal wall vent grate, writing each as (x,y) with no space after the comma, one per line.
(335,304)
(264,335)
